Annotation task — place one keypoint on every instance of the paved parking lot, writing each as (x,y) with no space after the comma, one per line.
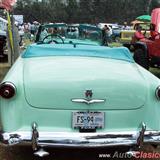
(26,153)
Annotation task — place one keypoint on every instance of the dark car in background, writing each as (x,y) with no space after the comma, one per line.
(116,33)
(2,45)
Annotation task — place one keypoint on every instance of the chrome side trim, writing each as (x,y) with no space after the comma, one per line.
(88,101)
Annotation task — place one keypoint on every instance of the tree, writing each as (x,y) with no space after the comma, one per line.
(72,11)
(148,6)
(154,4)
(84,11)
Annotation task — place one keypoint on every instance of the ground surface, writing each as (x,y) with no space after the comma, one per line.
(25,153)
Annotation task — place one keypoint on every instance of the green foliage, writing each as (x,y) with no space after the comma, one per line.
(71,6)
(155,4)
(84,11)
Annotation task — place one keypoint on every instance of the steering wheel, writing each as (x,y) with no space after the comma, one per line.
(52,38)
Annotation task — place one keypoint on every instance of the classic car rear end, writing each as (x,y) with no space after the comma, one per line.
(69,95)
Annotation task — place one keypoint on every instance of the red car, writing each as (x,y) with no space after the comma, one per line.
(147,51)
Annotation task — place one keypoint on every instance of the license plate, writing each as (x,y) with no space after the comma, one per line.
(88,120)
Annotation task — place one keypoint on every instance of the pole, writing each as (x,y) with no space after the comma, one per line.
(10,40)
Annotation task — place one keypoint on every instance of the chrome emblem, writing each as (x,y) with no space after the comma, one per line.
(88,99)
(88,94)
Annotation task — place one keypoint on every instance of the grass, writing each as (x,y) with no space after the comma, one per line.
(4,67)
(27,42)
(155,71)
(114,44)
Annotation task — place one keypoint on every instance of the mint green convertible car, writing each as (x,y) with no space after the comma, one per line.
(65,92)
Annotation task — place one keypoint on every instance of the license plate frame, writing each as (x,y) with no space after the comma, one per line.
(88,120)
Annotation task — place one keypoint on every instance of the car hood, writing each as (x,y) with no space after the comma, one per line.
(52,82)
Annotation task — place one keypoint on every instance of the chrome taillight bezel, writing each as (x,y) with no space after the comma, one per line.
(157,93)
(9,84)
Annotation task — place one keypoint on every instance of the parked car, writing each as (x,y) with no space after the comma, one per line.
(3,29)
(146,50)
(77,93)
(116,33)
(109,25)
(73,31)
(3,26)
(126,35)
(3,57)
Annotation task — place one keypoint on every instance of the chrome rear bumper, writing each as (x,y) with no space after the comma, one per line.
(89,140)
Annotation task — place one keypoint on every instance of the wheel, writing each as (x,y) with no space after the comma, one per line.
(141,58)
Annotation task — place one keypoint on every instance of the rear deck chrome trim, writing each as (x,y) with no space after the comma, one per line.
(88,101)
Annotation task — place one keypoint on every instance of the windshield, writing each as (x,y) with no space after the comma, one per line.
(62,33)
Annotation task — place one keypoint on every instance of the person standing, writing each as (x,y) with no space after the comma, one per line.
(105,34)
(125,27)
(138,35)
(153,33)
(33,29)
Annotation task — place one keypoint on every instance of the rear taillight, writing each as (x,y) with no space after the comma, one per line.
(7,90)
(158,93)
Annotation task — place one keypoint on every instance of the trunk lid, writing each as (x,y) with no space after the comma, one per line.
(51,83)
